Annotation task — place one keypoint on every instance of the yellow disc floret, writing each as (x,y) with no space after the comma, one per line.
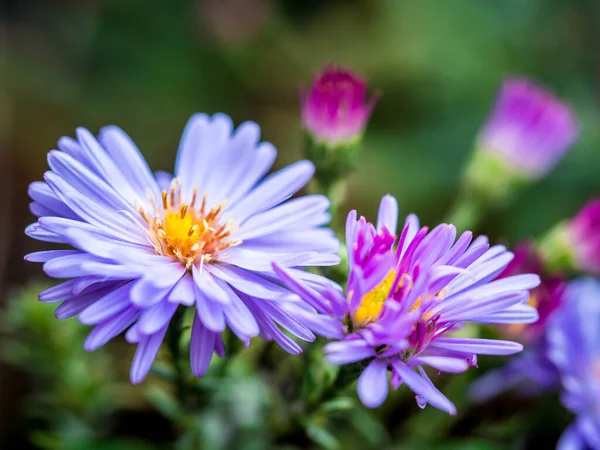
(188,232)
(372,302)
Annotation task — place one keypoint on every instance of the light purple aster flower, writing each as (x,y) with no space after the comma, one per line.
(145,245)
(405,295)
(529,128)
(335,109)
(574,347)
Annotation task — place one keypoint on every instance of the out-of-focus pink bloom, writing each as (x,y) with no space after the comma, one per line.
(529,128)
(336,109)
(583,233)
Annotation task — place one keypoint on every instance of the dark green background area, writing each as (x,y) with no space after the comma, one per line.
(148,65)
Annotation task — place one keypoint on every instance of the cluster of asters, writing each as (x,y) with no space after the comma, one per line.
(222,237)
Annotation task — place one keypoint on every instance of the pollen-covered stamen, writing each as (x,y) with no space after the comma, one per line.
(186,232)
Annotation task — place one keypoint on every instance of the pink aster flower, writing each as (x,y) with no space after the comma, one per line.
(529,129)
(583,233)
(405,296)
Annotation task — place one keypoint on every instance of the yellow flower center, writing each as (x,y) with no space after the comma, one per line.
(188,232)
(372,302)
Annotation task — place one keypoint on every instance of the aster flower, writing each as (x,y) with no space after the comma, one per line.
(145,245)
(574,347)
(529,372)
(574,245)
(335,109)
(335,112)
(527,133)
(529,129)
(404,295)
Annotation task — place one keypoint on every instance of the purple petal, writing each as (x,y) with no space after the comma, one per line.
(58,293)
(144,355)
(284,216)
(183,292)
(35,231)
(480,346)
(210,286)
(348,351)
(156,317)
(210,312)
(248,282)
(47,255)
(423,387)
(388,214)
(202,345)
(323,325)
(275,189)
(442,363)
(104,332)
(129,160)
(372,386)
(69,266)
(107,306)
(262,160)
(240,319)
(307,294)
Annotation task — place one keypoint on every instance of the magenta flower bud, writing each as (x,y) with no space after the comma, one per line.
(574,245)
(335,110)
(529,128)
(583,232)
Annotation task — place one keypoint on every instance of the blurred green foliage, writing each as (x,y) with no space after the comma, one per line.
(72,392)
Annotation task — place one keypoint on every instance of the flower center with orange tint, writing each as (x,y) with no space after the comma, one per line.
(187,231)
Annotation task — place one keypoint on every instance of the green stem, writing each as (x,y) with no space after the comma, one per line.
(335,191)
(173,340)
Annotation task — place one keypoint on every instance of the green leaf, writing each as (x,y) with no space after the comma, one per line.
(165,403)
(469,445)
(321,436)
(368,426)
(338,404)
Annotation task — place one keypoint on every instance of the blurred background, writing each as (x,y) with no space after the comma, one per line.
(147,65)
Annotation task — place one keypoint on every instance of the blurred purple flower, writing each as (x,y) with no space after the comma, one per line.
(335,109)
(583,233)
(405,295)
(146,245)
(528,128)
(574,347)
